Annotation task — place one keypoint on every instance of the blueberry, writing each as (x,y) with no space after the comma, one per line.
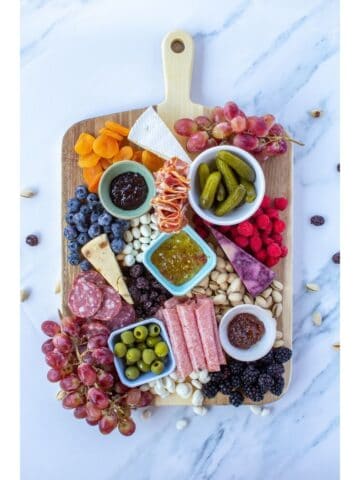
(105,219)
(85,265)
(94,230)
(73,246)
(79,217)
(110,236)
(117,245)
(85,210)
(81,192)
(106,228)
(125,225)
(69,218)
(82,227)
(92,198)
(83,238)
(74,258)
(117,229)
(70,233)
(94,217)
(97,207)
(73,205)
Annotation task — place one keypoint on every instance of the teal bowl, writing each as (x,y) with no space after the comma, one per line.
(108,176)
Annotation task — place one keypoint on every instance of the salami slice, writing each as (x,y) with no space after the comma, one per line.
(85,298)
(160,314)
(110,306)
(93,276)
(191,334)
(207,334)
(125,317)
(173,326)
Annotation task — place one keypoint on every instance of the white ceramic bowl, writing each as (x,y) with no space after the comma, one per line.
(242,212)
(262,347)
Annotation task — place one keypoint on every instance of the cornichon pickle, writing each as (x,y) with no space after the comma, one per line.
(250,190)
(228,176)
(240,166)
(203,172)
(207,196)
(221,193)
(233,200)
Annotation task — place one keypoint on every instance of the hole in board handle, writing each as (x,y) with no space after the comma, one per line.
(177,46)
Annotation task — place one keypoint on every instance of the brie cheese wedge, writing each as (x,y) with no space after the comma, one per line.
(150,133)
(98,252)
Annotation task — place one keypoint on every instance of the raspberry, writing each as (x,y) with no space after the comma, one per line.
(271,261)
(267,240)
(246,229)
(263,221)
(284,251)
(272,213)
(261,255)
(280,203)
(266,203)
(274,250)
(277,238)
(202,232)
(255,244)
(225,228)
(258,212)
(279,226)
(268,229)
(241,241)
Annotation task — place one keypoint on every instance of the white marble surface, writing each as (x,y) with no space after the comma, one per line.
(82,58)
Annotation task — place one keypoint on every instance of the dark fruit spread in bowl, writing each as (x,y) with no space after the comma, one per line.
(128,190)
(245,330)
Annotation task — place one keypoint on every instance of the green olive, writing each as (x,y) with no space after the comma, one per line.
(152,341)
(132,373)
(144,367)
(133,355)
(148,356)
(127,337)
(120,349)
(161,349)
(140,333)
(141,346)
(157,367)
(154,330)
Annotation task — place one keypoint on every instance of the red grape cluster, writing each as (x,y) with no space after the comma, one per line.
(80,360)
(229,125)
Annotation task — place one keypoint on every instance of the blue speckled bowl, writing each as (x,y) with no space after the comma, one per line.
(179,290)
(169,366)
(115,170)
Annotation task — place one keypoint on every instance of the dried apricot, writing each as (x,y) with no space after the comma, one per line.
(94,184)
(137,156)
(105,163)
(84,143)
(112,134)
(90,173)
(125,153)
(105,146)
(116,127)
(151,161)
(89,160)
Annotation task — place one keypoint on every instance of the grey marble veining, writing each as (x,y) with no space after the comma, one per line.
(83,58)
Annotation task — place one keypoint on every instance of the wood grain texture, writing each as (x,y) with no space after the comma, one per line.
(177,104)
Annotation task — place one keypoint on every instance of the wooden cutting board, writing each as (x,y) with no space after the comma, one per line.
(178,57)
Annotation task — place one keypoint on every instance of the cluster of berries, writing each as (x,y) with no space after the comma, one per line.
(260,235)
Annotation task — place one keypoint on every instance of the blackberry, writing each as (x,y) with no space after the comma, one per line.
(236,398)
(226,387)
(265,382)
(268,359)
(236,368)
(236,381)
(136,270)
(210,389)
(142,283)
(225,370)
(278,386)
(216,377)
(144,297)
(275,370)
(249,375)
(253,392)
(282,354)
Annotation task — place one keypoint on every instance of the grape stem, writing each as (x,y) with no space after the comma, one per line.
(276,138)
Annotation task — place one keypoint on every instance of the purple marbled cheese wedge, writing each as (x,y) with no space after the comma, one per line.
(255,276)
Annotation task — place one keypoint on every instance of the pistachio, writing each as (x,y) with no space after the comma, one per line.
(269,302)
(234,285)
(248,300)
(277,310)
(317,318)
(260,302)
(267,293)
(279,343)
(229,268)
(277,297)
(198,290)
(222,278)
(312,287)
(235,298)
(27,193)
(220,299)
(208,292)
(277,285)
(24,295)
(213,286)
(232,277)
(279,335)
(220,264)
(214,275)
(223,286)
(219,252)
(204,283)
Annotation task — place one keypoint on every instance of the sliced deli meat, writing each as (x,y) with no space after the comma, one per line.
(85,298)
(94,277)
(208,333)
(125,317)
(173,326)
(211,310)
(110,306)
(192,337)
(255,275)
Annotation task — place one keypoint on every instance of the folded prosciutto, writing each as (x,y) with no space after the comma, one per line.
(178,343)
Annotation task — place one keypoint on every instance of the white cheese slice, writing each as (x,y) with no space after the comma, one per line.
(98,252)
(150,133)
